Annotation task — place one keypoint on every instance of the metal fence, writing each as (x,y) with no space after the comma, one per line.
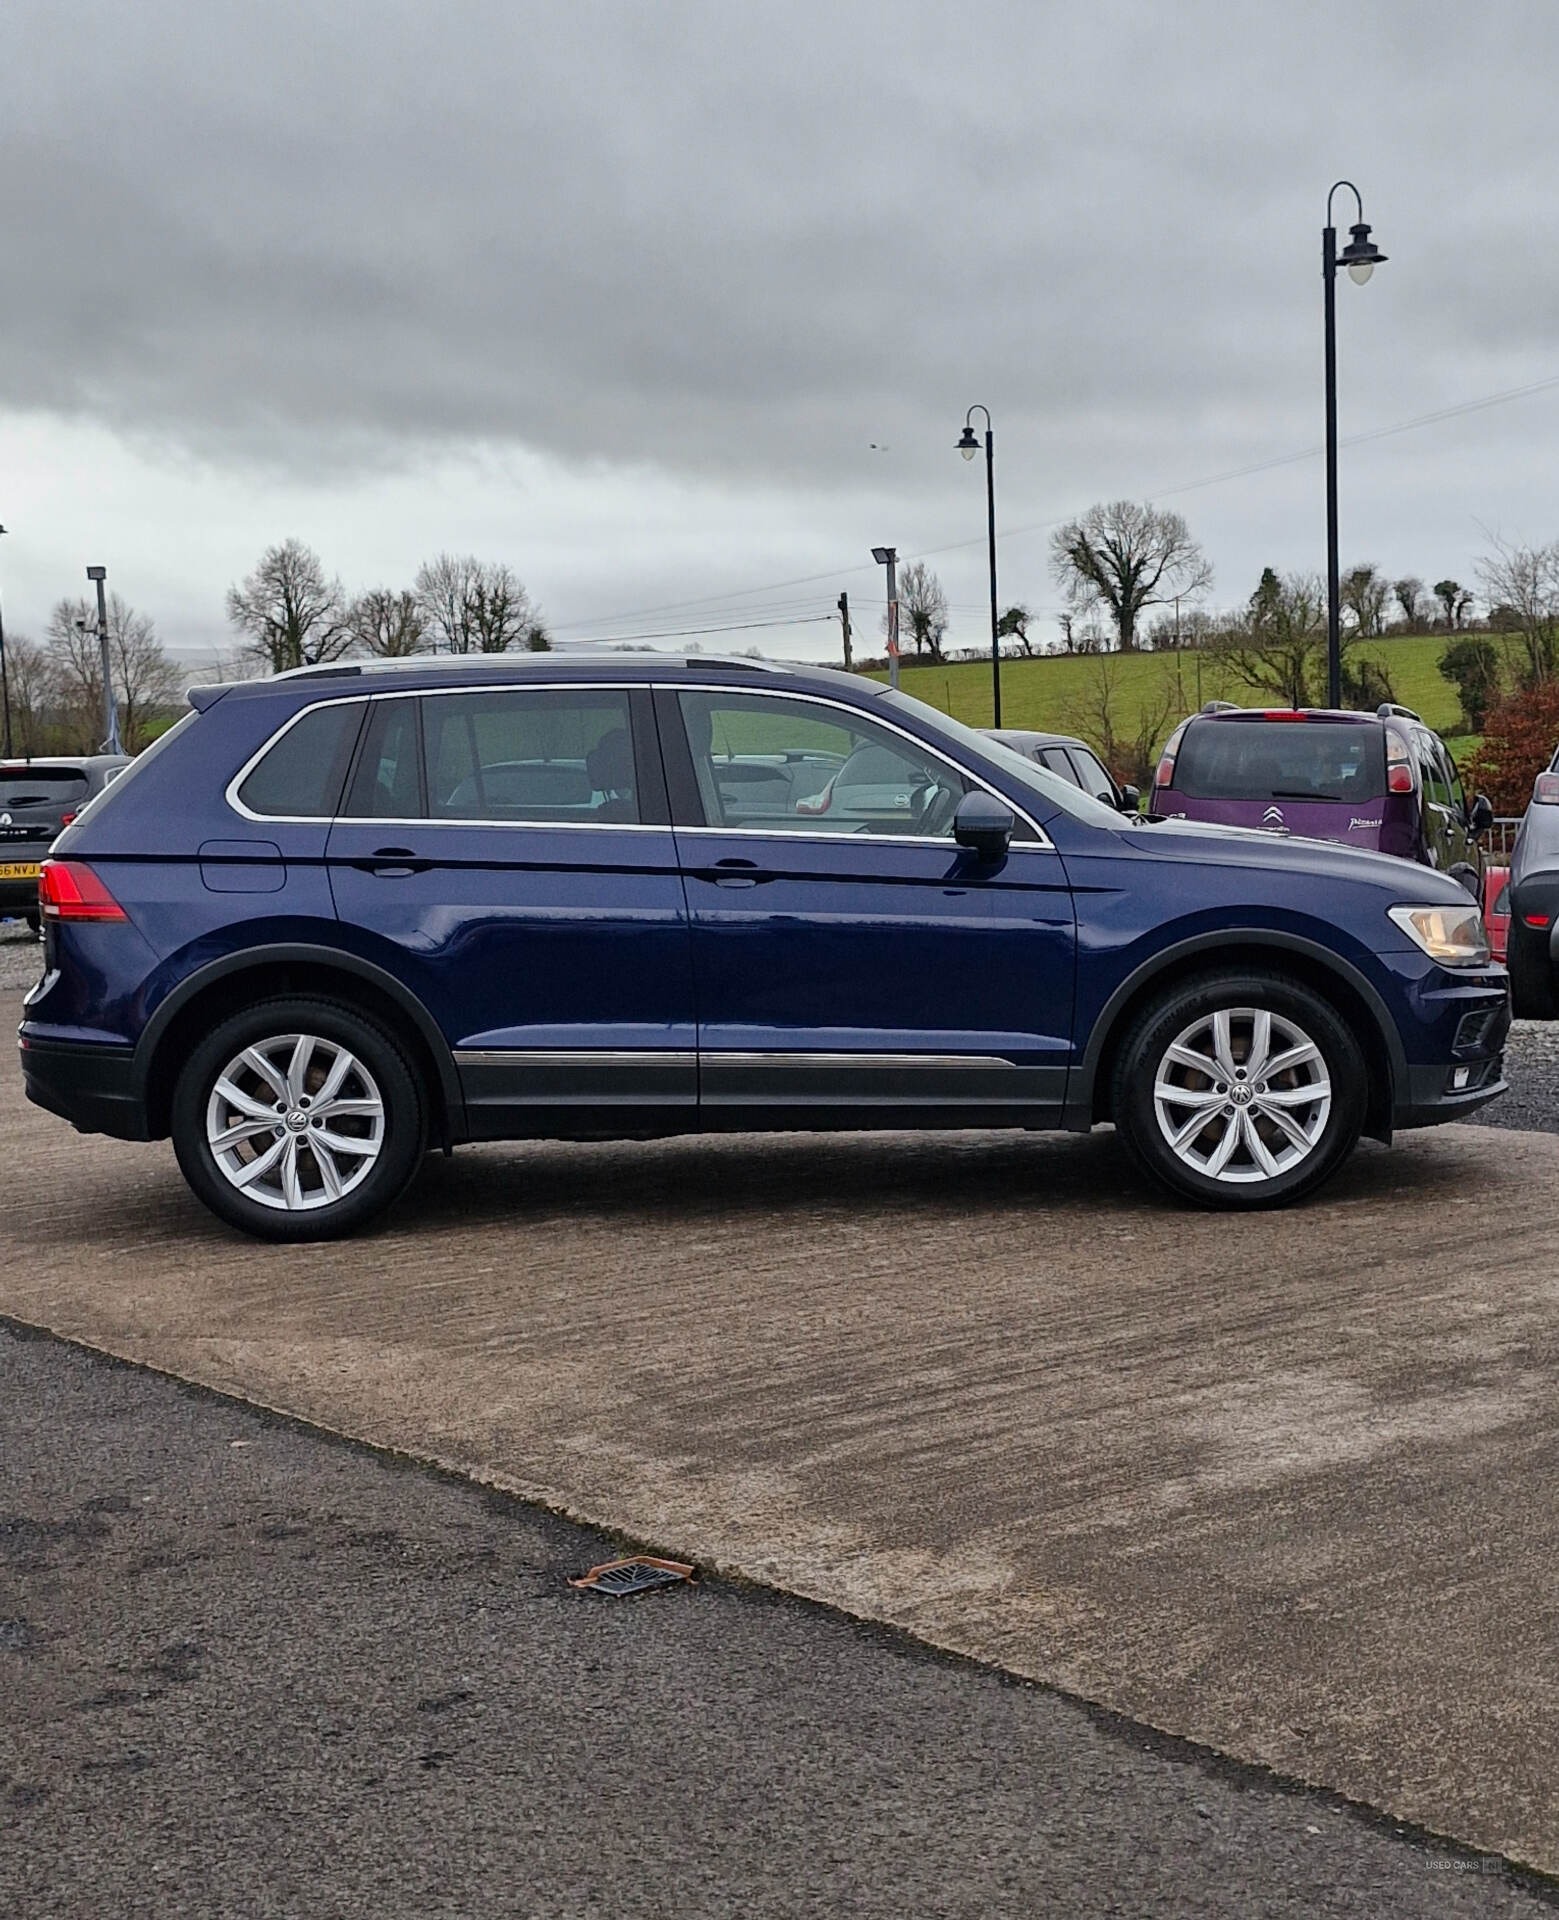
(1500,839)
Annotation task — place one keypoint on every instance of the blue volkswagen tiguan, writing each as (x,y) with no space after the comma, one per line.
(338,917)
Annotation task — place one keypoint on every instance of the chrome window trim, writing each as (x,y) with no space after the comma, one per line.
(1041,844)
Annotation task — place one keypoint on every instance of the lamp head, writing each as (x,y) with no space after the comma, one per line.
(97,573)
(968,446)
(1361,256)
(882,555)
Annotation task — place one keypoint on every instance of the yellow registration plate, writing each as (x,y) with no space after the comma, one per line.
(18,869)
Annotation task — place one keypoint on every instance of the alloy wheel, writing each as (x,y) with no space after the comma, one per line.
(295,1122)
(1242,1095)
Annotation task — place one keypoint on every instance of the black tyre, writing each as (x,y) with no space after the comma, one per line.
(298,1119)
(1239,1089)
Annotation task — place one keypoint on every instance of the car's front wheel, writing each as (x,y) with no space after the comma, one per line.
(1240,1089)
(298,1119)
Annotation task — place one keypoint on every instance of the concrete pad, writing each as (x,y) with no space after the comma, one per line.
(1282,1484)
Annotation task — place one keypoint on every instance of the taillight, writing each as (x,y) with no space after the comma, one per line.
(66,818)
(1399,763)
(70,890)
(1165,771)
(1545,790)
(818,802)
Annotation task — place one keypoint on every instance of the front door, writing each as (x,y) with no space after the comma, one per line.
(848,954)
(508,852)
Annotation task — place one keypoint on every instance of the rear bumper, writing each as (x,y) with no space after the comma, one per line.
(95,1088)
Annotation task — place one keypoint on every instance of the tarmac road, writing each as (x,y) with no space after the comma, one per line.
(250,1670)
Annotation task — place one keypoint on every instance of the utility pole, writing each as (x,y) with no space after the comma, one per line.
(844,620)
(5,685)
(111,741)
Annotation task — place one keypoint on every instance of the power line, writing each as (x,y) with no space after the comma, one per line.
(1044,526)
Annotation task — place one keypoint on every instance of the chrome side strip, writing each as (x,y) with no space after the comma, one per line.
(572,1057)
(935,1062)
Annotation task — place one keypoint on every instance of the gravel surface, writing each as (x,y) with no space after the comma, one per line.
(251,1670)
(20,954)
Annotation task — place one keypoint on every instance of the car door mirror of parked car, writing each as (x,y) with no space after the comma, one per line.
(984,824)
(1480,815)
(1130,800)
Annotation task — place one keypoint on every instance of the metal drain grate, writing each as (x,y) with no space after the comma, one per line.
(636,1575)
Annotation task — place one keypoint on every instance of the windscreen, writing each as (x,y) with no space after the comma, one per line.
(1281,760)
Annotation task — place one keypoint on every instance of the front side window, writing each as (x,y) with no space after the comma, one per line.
(1095,780)
(543,756)
(794,766)
(301,774)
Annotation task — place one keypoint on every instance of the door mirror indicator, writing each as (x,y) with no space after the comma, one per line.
(985,825)
(1480,815)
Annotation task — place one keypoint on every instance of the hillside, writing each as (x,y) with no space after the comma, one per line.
(1062,693)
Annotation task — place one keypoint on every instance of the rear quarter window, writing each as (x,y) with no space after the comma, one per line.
(301,774)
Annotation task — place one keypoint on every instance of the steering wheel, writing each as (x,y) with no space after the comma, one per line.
(935,810)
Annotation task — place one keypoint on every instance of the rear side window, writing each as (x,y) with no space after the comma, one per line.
(1281,760)
(52,788)
(301,774)
(543,757)
(1055,759)
(388,782)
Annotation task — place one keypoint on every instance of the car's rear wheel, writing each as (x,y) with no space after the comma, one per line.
(298,1119)
(1240,1089)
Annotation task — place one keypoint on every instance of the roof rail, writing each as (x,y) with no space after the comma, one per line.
(1221,706)
(1389,710)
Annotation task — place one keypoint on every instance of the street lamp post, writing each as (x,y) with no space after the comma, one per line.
(968,446)
(111,741)
(1361,257)
(5,685)
(889,557)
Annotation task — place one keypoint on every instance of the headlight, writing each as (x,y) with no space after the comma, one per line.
(1452,935)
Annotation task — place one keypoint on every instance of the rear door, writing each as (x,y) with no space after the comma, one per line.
(509,852)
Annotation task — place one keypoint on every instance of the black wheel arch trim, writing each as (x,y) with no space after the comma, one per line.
(1080,1096)
(300,952)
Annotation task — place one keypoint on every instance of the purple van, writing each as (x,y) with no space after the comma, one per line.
(1380,780)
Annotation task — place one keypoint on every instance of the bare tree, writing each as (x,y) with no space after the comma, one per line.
(288,612)
(1455,599)
(146,682)
(1276,643)
(1410,598)
(472,606)
(30,685)
(1124,726)
(1526,579)
(1014,625)
(1366,594)
(922,608)
(1122,558)
(387,623)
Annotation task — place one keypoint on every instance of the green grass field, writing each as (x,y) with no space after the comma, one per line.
(1061,693)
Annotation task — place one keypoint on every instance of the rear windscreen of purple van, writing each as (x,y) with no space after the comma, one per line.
(1281,760)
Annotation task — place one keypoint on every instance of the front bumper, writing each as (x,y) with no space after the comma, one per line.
(95,1088)
(1474,1071)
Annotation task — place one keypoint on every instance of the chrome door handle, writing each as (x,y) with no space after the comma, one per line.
(392,863)
(735,872)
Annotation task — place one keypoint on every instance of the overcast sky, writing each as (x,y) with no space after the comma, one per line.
(624,295)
